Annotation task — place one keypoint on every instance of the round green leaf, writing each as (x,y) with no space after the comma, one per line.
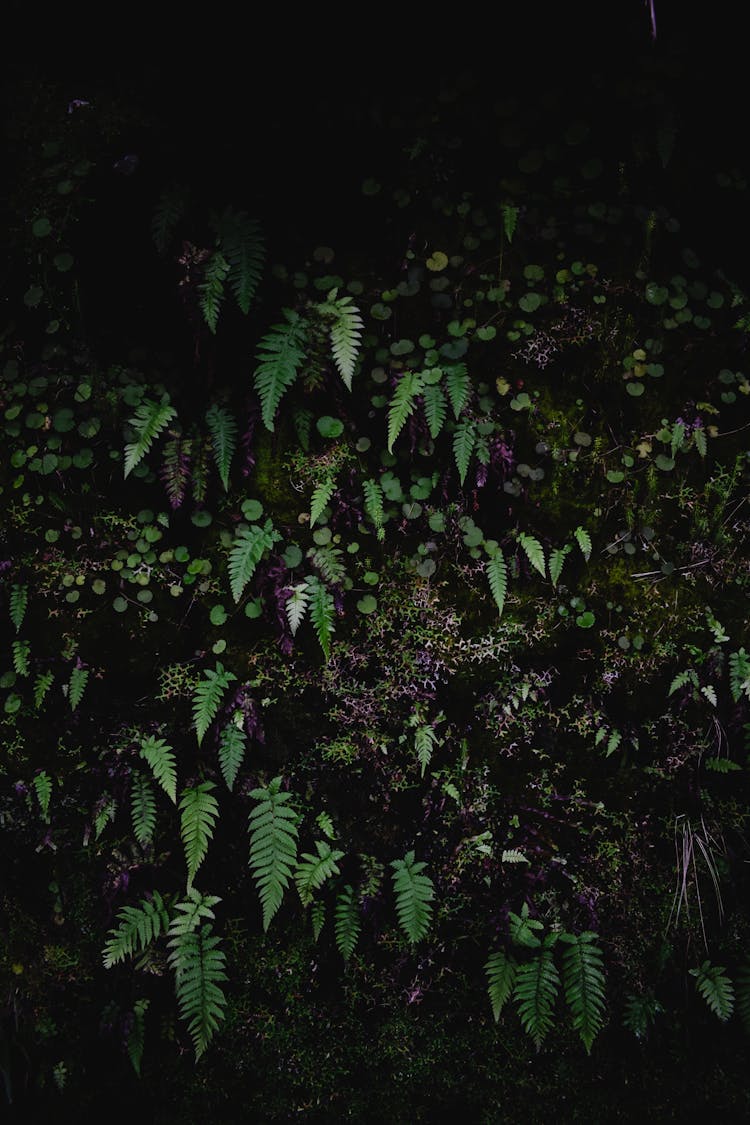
(367,604)
(218,615)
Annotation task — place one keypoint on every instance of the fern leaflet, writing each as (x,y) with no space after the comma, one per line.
(346,334)
(739,674)
(149,421)
(199,809)
(138,927)
(681,680)
(207,697)
(373,494)
(435,408)
(402,404)
(743,996)
(242,245)
(137,1034)
(231,751)
(583,539)
(322,614)
(77,685)
(191,910)
(175,468)
(414,892)
(42,783)
(21,651)
(318,917)
(534,552)
(325,824)
(322,493)
(583,981)
(347,924)
(463,447)
(161,759)
(250,544)
(279,357)
(556,560)
(424,742)
(522,929)
(296,605)
(42,684)
(497,576)
(716,989)
(19,597)
(223,430)
(169,210)
(535,991)
(458,386)
(273,845)
(701,444)
(199,966)
(211,289)
(142,809)
(327,560)
(313,870)
(501,975)
(510,219)
(640,1013)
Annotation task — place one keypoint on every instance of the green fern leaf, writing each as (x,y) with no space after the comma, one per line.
(313,870)
(556,560)
(171,208)
(414,892)
(211,289)
(501,975)
(424,742)
(104,816)
(149,421)
(583,539)
(21,651)
(175,468)
(318,917)
(42,684)
(716,989)
(322,493)
(199,809)
(296,606)
(327,560)
(79,677)
(535,991)
(743,996)
(435,408)
(534,552)
(322,614)
(302,420)
(280,355)
(739,674)
(522,929)
(583,981)
(242,245)
(273,845)
(463,447)
(137,1034)
(458,386)
(231,751)
(681,680)
(199,965)
(325,824)
(223,430)
(373,494)
(510,219)
(347,924)
(42,783)
(142,809)
(513,855)
(138,927)
(640,1013)
(402,404)
(19,598)
(207,697)
(161,759)
(497,576)
(250,545)
(701,444)
(346,335)
(189,913)
(613,742)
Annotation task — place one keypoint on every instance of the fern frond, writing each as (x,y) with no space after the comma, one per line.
(42,783)
(522,928)
(137,1034)
(104,816)
(42,684)
(513,855)
(189,913)
(739,674)
(170,209)
(463,446)
(346,335)
(373,494)
(211,289)
(138,926)
(327,560)
(497,576)
(583,981)
(322,493)
(242,245)
(296,606)
(424,742)
(501,975)
(640,1013)
(583,539)
(149,421)
(325,824)
(313,870)
(556,560)
(280,355)
(223,430)
(322,614)
(231,751)
(402,404)
(207,697)
(435,408)
(510,220)
(534,552)
(163,763)
(250,545)
(347,924)
(681,680)
(716,989)
(273,845)
(318,917)
(175,468)
(458,385)
(414,892)
(21,651)
(199,477)
(199,965)
(199,810)
(743,996)
(19,598)
(535,991)
(142,809)
(79,677)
